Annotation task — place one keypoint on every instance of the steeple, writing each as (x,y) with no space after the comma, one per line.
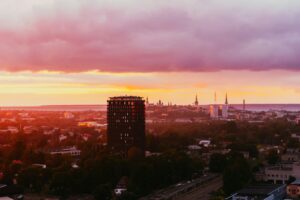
(226,99)
(215,97)
(196,101)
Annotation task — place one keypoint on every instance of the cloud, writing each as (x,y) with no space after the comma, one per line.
(149,36)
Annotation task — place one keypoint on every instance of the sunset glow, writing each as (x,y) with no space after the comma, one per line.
(82,52)
(43,88)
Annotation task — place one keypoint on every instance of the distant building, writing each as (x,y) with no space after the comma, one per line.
(126,123)
(217,111)
(69,115)
(183,120)
(160,103)
(214,111)
(296,136)
(90,124)
(224,110)
(70,151)
(281,173)
(291,155)
(262,192)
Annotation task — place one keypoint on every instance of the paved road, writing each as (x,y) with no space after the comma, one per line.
(203,191)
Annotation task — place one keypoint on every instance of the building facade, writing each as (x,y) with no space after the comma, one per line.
(281,173)
(126,124)
(217,111)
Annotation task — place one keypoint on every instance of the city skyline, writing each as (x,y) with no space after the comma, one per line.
(79,52)
(53,88)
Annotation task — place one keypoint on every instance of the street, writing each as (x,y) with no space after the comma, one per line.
(203,191)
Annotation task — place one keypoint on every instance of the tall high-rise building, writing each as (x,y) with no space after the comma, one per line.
(126,123)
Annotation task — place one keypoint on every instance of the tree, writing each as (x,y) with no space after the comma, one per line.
(18,149)
(33,178)
(103,192)
(273,157)
(231,127)
(127,196)
(236,174)
(217,163)
(60,183)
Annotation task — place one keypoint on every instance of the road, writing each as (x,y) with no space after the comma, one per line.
(203,191)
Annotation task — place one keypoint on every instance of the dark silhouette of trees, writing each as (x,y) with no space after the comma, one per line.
(103,192)
(236,174)
(217,163)
(273,157)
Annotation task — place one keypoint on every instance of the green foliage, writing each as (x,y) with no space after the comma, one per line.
(99,172)
(18,149)
(60,183)
(103,192)
(217,163)
(273,157)
(217,195)
(237,173)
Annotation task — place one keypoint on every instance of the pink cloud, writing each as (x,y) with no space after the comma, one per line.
(164,38)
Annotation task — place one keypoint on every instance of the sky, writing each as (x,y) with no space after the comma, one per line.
(82,52)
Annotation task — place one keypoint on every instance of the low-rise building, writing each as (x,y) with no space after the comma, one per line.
(281,173)
(292,157)
(71,151)
(296,136)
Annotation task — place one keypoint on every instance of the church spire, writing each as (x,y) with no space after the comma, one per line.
(226,99)
(215,97)
(196,101)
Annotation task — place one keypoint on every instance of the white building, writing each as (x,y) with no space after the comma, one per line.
(224,109)
(204,143)
(219,111)
(282,173)
(69,115)
(71,151)
(214,111)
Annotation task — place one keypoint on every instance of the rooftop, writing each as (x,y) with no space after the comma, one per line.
(258,190)
(126,98)
(280,168)
(296,182)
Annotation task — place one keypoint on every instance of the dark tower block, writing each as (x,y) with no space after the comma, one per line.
(126,124)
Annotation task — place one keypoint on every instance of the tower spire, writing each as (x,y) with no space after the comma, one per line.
(215,97)
(196,101)
(226,99)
